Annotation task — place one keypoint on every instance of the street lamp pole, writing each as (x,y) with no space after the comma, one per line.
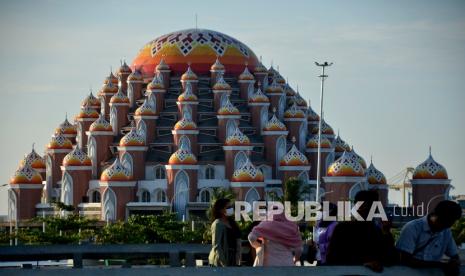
(318,174)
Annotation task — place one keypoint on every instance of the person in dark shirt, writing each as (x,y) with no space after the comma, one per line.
(358,242)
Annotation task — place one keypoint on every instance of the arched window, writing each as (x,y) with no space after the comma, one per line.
(205,195)
(109,205)
(48,175)
(92,146)
(145,196)
(223,99)
(184,142)
(102,105)
(12,200)
(230,127)
(280,151)
(79,135)
(187,112)
(130,95)
(251,196)
(160,172)
(160,195)
(181,193)
(210,172)
(239,160)
(302,135)
(152,101)
(142,129)
(263,117)
(303,176)
(127,162)
(281,106)
(67,189)
(250,90)
(95,196)
(114,119)
(354,190)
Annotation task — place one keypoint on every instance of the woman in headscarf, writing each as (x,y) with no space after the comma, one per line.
(277,242)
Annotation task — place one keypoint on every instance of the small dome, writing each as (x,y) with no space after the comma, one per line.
(60,142)
(289,91)
(88,112)
(346,165)
(259,97)
(183,156)
(124,69)
(132,139)
(116,172)
(188,95)
(246,75)
(162,66)
(272,73)
(260,68)
(237,138)
(359,159)
(91,101)
(430,169)
(221,85)
(77,157)
(217,66)
(299,100)
(274,125)
(247,173)
(111,79)
(119,97)
(26,175)
(136,75)
(340,145)
(311,115)
(66,128)
(294,158)
(146,109)
(189,75)
(34,160)
(185,124)
(108,88)
(325,129)
(374,176)
(313,142)
(100,125)
(156,83)
(294,112)
(228,108)
(274,87)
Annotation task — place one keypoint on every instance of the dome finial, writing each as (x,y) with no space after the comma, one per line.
(371,159)
(272,63)
(274,109)
(277,68)
(66,116)
(33,146)
(293,139)
(430,150)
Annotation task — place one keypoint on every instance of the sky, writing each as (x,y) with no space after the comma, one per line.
(396,86)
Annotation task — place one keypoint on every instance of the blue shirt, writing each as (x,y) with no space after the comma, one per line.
(416,233)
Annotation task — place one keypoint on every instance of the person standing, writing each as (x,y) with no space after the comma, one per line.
(226,236)
(277,242)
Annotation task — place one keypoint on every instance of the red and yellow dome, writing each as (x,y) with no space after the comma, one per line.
(26,175)
(34,160)
(311,115)
(259,97)
(237,138)
(119,98)
(146,109)
(116,172)
(294,158)
(109,88)
(111,79)
(274,125)
(430,169)
(66,128)
(100,125)
(294,112)
(187,95)
(196,46)
(247,173)
(156,83)
(274,88)
(288,90)
(260,68)
(228,108)
(374,176)
(124,69)
(162,66)
(358,158)
(246,75)
(136,75)
(91,101)
(132,139)
(88,112)
(346,165)
(325,129)
(340,145)
(217,66)
(189,75)
(60,142)
(221,85)
(185,124)
(182,156)
(313,142)
(77,157)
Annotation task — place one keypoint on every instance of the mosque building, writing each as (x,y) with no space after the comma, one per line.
(195,111)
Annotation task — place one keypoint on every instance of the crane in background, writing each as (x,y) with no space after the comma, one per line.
(401,182)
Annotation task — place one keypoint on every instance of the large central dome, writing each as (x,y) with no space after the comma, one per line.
(198,47)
